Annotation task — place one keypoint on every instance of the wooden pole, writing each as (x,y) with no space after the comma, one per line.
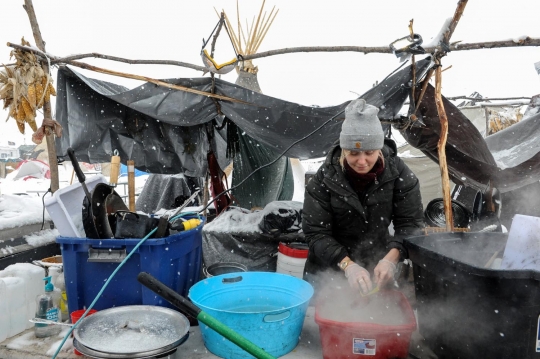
(49,134)
(447,200)
(442,151)
(131,184)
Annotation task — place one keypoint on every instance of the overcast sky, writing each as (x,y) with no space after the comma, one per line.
(173,30)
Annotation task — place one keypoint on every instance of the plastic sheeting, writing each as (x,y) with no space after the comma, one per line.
(468,158)
(507,160)
(272,183)
(163,130)
(516,150)
(236,236)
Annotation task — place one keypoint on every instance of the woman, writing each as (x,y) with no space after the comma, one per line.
(349,204)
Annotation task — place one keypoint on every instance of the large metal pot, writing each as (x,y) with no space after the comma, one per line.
(135,331)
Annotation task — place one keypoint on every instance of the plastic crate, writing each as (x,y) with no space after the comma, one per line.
(88,263)
(349,340)
(466,310)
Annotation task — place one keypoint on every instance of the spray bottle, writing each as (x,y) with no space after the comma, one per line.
(47,308)
(60,286)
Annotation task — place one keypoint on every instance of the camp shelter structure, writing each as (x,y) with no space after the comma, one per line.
(166,130)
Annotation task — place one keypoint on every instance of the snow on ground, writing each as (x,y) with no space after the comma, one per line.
(48,346)
(18,211)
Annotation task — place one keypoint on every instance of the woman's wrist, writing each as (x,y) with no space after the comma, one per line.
(344,263)
(392,256)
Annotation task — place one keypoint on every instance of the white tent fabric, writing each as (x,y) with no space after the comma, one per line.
(425,169)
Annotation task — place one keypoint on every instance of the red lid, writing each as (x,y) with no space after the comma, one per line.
(295,250)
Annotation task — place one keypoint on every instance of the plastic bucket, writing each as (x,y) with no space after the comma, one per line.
(292,259)
(223,268)
(354,339)
(75,316)
(266,308)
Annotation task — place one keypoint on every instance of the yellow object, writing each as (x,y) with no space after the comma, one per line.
(214,67)
(373,291)
(191,223)
(32,95)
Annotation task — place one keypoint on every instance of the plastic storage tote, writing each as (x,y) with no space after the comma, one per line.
(362,339)
(88,263)
(266,308)
(65,207)
(466,309)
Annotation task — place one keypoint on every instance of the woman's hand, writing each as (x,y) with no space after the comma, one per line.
(358,277)
(386,269)
(384,272)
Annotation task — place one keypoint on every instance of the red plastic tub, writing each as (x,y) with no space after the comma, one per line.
(343,340)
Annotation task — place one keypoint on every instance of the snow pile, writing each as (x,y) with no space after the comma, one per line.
(42,237)
(240,220)
(18,211)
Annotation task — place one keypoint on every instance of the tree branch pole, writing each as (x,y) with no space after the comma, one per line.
(442,151)
(447,200)
(86,66)
(49,135)
(60,60)
(527,41)
(386,50)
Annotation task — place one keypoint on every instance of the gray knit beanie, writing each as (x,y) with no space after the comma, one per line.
(361,130)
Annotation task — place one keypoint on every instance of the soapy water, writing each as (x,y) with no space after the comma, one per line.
(340,303)
(129,333)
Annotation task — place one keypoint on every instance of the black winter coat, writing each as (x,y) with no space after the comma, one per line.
(337,223)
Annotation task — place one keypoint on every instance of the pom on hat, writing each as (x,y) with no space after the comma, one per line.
(361,130)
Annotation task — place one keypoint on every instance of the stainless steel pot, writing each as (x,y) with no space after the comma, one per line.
(136,331)
(223,268)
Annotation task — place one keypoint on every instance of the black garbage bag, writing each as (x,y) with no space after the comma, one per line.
(281,217)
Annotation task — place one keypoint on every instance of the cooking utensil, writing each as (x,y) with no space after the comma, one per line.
(113,179)
(106,202)
(182,303)
(131,184)
(87,215)
(136,331)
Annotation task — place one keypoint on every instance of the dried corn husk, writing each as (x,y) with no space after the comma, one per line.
(25,87)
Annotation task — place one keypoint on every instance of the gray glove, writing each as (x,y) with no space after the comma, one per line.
(358,278)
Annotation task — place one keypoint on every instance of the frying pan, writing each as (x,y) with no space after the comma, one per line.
(97,205)
(189,308)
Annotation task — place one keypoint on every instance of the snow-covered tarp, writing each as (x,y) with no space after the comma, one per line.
(167,131)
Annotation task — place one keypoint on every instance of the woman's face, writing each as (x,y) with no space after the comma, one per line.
(362,161)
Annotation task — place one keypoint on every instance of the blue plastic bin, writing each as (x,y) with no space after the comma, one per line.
(266,308)
(88,263)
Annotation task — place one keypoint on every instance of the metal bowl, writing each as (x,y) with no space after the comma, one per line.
(137,331)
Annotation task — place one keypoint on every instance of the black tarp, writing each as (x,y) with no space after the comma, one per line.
(163,129)
(470,157)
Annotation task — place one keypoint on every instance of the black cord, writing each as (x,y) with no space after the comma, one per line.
(209,37)
(43,202)
(274,161)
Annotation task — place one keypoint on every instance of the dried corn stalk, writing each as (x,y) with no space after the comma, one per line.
(24,87)
(499,119)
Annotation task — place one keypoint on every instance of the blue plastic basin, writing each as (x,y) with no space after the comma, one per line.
(266,308)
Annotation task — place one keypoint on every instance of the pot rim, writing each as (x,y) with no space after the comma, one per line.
(87,350)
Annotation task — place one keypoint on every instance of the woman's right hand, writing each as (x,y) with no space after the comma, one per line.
(358,278)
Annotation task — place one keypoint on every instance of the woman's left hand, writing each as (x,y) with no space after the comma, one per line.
(384,272)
